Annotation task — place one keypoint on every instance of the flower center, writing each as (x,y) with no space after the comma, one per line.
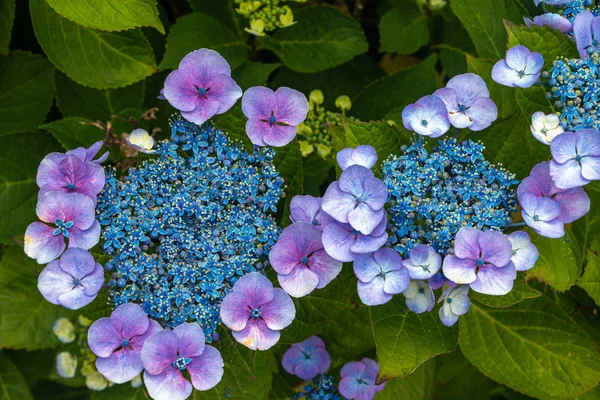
(544,131)
(76,282)
(304,260)
(536,218)
(272,119)
(421,290)
(306,356)
(479,262)
(449,301)
(62,227)
(361,381)
(181,362)
(424,123)
(355,232)
(521,74)
(578,158)
(125,342)
(256,313)
(71,187)
(315,222)
(425,268)
(202,91)
(462,108)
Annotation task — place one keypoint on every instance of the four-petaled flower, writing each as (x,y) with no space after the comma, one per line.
(364,155)
(202,86)
(427,117)
(423,262)
(542,215)
(575,158)
(343,242)
(273,116)
(306,208)
(524,253)
(166,354)
(552,20)
(307,359)
(301,262)
(419,297)
(545,127)
(521,68)
(456,303)
(118,340)
(256,311)
(73,281)
(359,380)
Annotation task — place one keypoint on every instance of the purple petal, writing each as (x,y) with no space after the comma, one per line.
(361,155)
(257,335)
(338,239)
(353,369)
(41,244)
(564,147)
(567,175)
(372,293)
(582,31)
(352,180)
(53,282)
(305,209)
(292,357)
(423,262)
(554,21)
(297,241)
(449,98)
(495,248)
(590,168)
(93,282)
(516,57)
(504,75)
(132,318)
(67,207)
(369,243)
(466,243)
(299,282)
(180,91)
(337,203)
(168,385)
(459,270)
(483,112)
(255,129)
(469,87)
(364,219)
(365,267)
(396,281)
(206,370)
(205,109)
(325,266)
(121,366)
(225,92)
(460,300)
(75,299)
(258,102)
(279,312)
(495,281)
(104,337)
(375,193)
(588,141)
(306,369)
(552,229)
(159,352)
(279,135)
(574,204)
(256,288)
(204,64)
(525,254)
(291,106)
(352,388)
(191,340)
(539,183)
(388,259)
(77,263)
(534,63)
(234,311)
(137,342)
(527,81)
(85,239)
(48,170)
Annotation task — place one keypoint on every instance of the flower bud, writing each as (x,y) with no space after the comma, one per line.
(343,103)
(316,96)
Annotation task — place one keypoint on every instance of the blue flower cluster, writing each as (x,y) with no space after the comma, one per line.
(182,228)
(320,388)
(434,194)
(574,7)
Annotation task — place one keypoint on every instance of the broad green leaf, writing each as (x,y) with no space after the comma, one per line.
(587,228)
(590,281)
(404,340)
(20,156)
(532,100)
(74,132)
(123,391)
(404,29)
(12,383)
(233,123)
(316,173)
(453,60)
(223,10)
(520,292)
(503,96)
(288,162)
(323,38)
(549,42)
(26,91)
(252,73)
(532,347)
(483,22)
(110,15)
(195,31)
(557,265)
(420,385)
(593,394)
(75,100)
(389,95)
(7,16)
(26,318)
(90,57)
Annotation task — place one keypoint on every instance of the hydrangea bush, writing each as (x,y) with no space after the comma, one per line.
(237,199)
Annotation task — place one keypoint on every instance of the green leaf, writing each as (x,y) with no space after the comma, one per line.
(26,318)
(20,156)
(483,22)
(27,82)
(521,291)
(532,347)
(590,281)
(454,61)
(587,228)
(404,30)
(404,339)
(224,11)
(503,96)
(549,42)
(12,383)
(74,132)
(420,385)
(557,265)
(7,16)
(316,172)
(253,73)
(110,15)
(389,95)
(90,57)
(288,162)
(323,38)
(75,100)
(195,31)
(121,392)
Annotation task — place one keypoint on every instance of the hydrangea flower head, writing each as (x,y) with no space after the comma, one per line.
(72,217)
(419,297)
(273,116)
(167,354)
(301,262)
(202,86)
(380,275)
(357,198)
(524,253)
(118,341)
(545,127)
(256,311)
(73,281)
(306,208)
(468,102)
(364,155)
(427,117)
(586,30)
(521,68)
(575,158)
(307,359)
(456,303)
(359,380)
(423,262)
(141,140)
(481,260)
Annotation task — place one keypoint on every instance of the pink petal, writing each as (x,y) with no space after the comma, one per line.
(85,239)
(206,370)
(225,92)
(257,335)
(159,352)
(325,266)
(180,91)
(257,289)
(104,336)
(132,318)
(121,366)
(168,385)
(291,106)
(256,129)
(279,312)
(235,313)
(191,340)
(41,244)
(258,103)
(279,135)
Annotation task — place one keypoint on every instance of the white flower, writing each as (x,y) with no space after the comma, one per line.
(545,127)
(66,364)
(64,330)
(141,140)
(95,381)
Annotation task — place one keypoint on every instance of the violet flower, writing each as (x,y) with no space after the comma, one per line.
(307,359)
(359,380)
(118,340)
(380,275)
(87,155)
(427,117)
(202,86)
(356,198)
(73,281)
(521,68)
(273,116)
(586,30)
(542,215)
(419,297)
(468,102)
(439,280)
(166,354)
(364,155)
(301,262)
(256,311)
(306,208)
(456,303)
(423,262)
(73,217)
(575,158)
(524,253)
(344,243)
(481,260)
(551,20)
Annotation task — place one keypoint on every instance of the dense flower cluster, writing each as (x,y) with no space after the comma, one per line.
(322,387)
(182,228)
(266,15)
(433,194)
